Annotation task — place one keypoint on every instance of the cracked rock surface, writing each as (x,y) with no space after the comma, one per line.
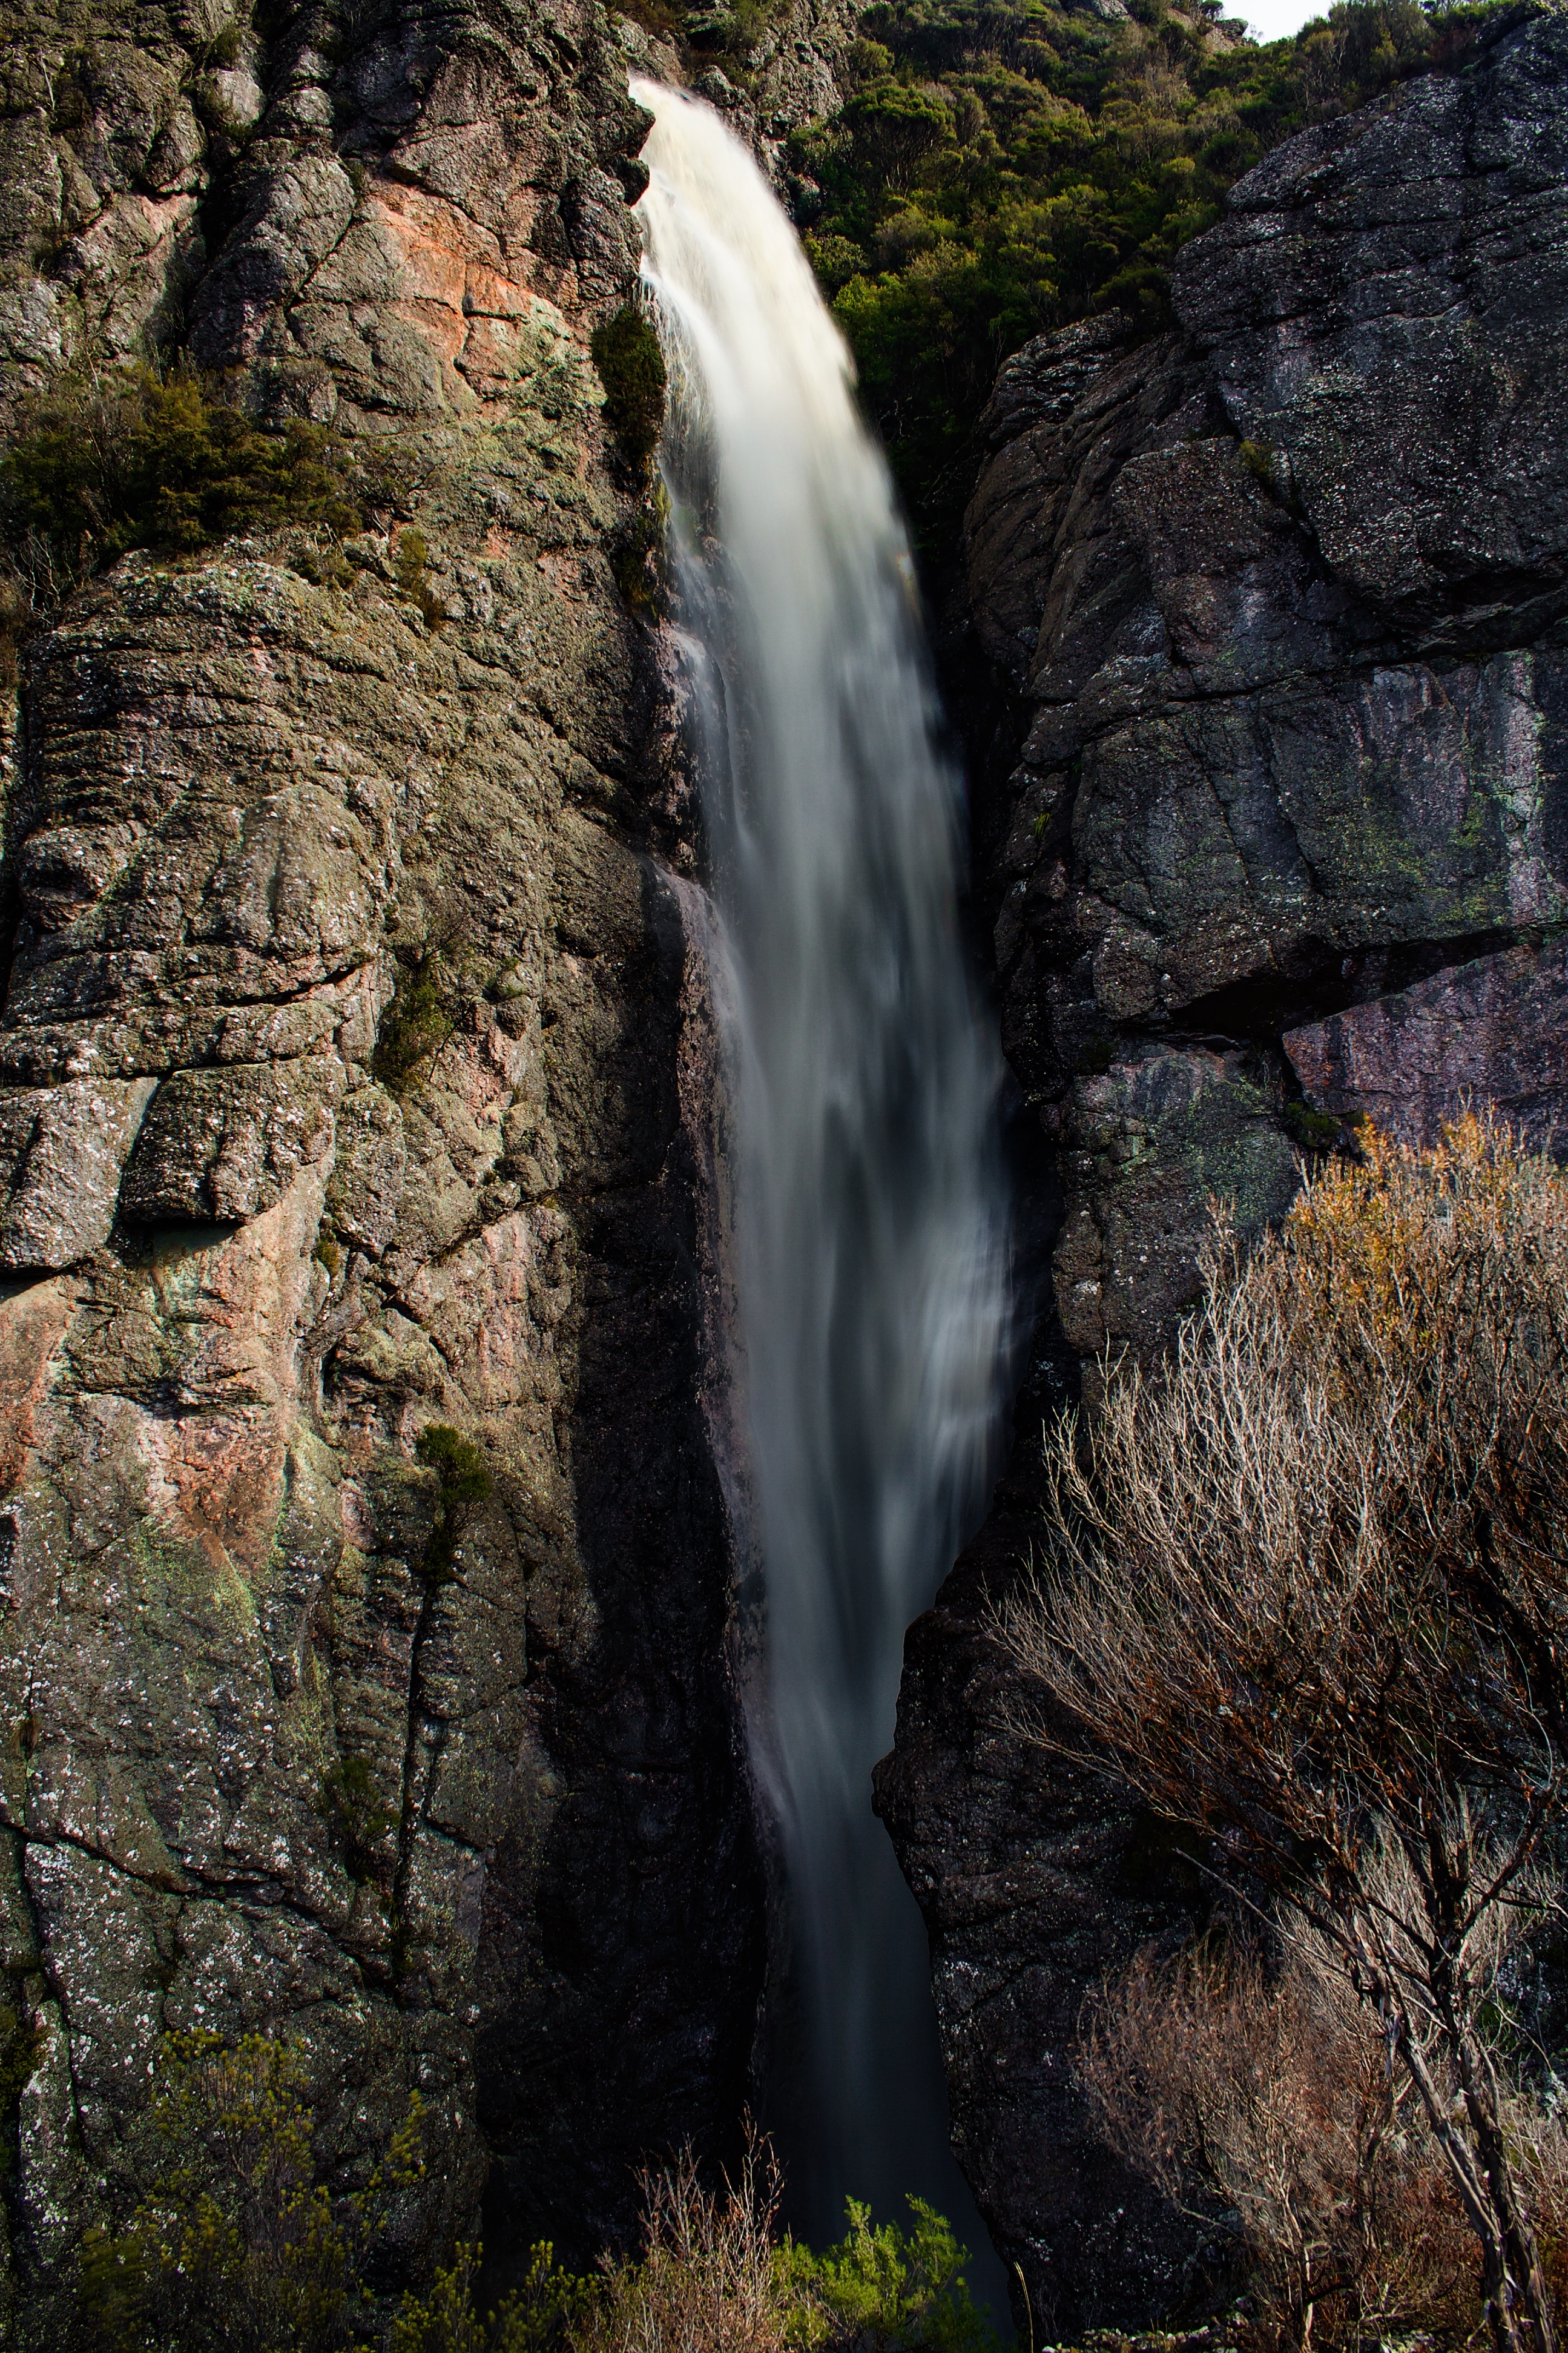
(355,1076)
(1270,741)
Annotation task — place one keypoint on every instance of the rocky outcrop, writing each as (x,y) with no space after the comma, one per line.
(355,1078)
(1271,823)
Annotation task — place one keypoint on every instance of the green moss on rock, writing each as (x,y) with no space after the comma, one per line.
(631,369)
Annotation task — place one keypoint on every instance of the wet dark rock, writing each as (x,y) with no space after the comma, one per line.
(1271,816)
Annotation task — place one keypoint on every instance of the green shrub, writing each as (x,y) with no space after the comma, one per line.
(714,2277)
(413,554)
(551,2313)
(463,1481)
(882,2288)
(1317,1130)
(143,461)
(414,1026)
(458,1464)
(236,2242)
(350,1804)
(631,369)
(637,554)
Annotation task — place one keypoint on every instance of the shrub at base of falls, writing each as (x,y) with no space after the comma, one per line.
(237,2241)
(240,2241)
(1003,170)
(1306,1593)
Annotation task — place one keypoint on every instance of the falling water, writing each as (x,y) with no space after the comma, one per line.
(869,1208)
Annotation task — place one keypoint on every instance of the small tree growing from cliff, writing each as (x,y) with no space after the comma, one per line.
(1308,1591)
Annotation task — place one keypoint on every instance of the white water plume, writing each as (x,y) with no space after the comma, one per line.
(869,1208)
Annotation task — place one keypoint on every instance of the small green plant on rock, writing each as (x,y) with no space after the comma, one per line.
(350,1806)
(1315,1131)
(414,1026)
(631,369)
(464,1480)
(413,554)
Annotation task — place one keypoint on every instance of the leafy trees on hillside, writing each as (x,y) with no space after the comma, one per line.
(1005,166)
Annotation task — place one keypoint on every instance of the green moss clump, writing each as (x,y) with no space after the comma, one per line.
(348,1803)
(1315,1131)
(631,369)
(408,565)
(464,1480)
(457,1462)
(414,1026)
(149,462)
(638,556)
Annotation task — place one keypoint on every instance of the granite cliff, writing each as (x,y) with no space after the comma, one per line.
(1267,685)
(354,1081)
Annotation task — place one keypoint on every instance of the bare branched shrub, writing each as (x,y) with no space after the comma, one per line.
(1307,1591)
(1265,2098)
(704,2282)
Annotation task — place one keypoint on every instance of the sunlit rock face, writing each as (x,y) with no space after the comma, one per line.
(355,1075)
(1271,818)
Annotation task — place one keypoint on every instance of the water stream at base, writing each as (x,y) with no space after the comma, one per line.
(870,1209)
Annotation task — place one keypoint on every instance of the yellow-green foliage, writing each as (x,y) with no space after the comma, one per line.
(414,1026)
(236,2242)
(631,369)
(882,2287)
(549,2313)
(1005,166)
(464,1480)
(714,2277)
(140,460)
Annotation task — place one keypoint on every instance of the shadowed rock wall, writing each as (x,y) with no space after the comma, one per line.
(355,1075)
(1271,818)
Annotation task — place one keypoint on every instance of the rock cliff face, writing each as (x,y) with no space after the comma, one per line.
(1271,823)
(353,1078)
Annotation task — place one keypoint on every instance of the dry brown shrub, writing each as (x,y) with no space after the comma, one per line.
(704,2282)
(1308,1591)
(1264,2098)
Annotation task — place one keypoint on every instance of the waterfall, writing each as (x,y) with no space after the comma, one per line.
(870,1202)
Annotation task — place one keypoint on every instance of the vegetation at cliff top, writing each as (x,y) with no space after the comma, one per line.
(239,2243)
(136,459)
(1007,166)
(1306,1594)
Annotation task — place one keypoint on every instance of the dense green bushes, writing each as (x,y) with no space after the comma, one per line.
(1004,166)
(631,369)
(141,460)
(239,2243)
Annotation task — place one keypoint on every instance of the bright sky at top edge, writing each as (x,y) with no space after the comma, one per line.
(1272,19)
